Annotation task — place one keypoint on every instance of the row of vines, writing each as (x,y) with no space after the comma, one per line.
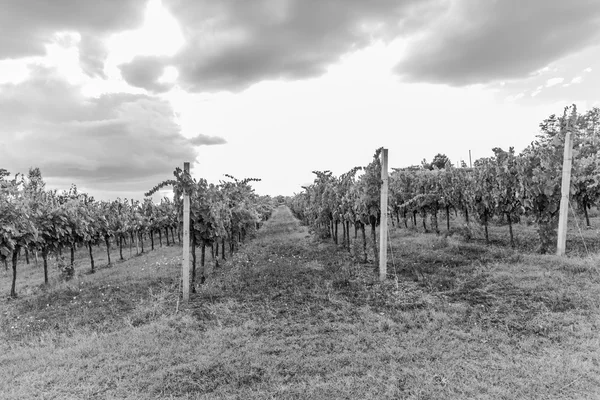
(227,211)
(34,220)
(506,187)
(350,199)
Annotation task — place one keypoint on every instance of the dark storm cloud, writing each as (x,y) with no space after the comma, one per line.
(481,41)
(29,24)
(123,139)
(231,44)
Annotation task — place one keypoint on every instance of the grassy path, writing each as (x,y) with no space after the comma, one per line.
(291,318)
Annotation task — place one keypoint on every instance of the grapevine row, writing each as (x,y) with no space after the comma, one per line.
(33,219)
(506,187)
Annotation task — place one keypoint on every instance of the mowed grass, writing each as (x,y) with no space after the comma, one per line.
(290,317)
(582,240)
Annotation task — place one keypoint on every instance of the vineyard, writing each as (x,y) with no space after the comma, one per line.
(502,190)
(296,312)
(505,189)
(35,221)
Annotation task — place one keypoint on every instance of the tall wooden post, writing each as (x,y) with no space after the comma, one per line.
(185,265)
(383,225)
(565,186)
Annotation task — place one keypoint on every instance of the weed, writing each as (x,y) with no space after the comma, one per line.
(66,270)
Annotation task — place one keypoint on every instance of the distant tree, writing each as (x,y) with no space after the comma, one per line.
(440,161)
(35,181)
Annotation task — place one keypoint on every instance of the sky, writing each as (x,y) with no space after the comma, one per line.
(113,95)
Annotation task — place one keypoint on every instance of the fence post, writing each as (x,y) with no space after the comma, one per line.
(185,265)
(565,186)
(383,224)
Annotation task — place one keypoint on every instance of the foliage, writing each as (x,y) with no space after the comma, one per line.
(440,161)
(35,219)
(505,187)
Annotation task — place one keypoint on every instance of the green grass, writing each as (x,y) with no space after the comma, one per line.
(289,317)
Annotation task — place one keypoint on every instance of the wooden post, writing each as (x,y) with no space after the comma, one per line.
(470,162)
(185,265)
(565,185)
(383,225)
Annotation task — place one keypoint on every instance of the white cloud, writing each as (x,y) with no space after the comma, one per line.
(13,71)
(574,81)
(537,91)
(577,79)
(588,69)
(543,71)
(554,81)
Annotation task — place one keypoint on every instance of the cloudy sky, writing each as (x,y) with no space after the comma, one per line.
(112,95)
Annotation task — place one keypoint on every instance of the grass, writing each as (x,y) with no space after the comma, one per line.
(581,239)
(290,317)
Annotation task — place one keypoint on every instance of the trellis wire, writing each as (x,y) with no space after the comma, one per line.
(579,228)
